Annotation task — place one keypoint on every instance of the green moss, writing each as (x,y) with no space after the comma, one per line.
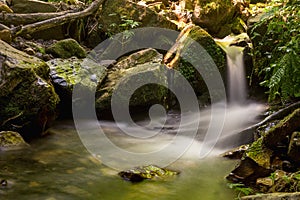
(260,154)
(66,49)
(10,140)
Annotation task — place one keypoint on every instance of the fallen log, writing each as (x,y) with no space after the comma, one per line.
(16,19)
(56,21)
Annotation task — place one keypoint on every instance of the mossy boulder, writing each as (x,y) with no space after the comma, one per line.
(65,73)
(27,97)
(215,15)
(120,15)
(10,140)
(215,54)
(129,72)
(146,172)
(66,49)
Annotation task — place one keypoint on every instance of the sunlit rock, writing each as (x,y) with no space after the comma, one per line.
(27,98)
(10,140)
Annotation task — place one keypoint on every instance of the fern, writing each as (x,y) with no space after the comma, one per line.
(278,51)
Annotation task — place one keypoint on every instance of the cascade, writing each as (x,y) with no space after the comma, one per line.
(237,89)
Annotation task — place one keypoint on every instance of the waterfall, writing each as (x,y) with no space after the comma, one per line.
(237,89)
(236,75)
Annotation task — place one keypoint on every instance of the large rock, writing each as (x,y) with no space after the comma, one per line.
(214,16)
(32,6)
(215,53)
(66,49)
(65,73)
(120,15)
(130,72)
(27,97)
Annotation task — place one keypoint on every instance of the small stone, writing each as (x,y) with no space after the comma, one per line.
(29,51)
(265,181)
(3,183)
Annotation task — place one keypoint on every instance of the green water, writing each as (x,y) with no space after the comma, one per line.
(58,167)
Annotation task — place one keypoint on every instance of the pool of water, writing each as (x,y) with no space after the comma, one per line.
(59,167)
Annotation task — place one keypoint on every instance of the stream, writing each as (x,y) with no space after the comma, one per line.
(58,166)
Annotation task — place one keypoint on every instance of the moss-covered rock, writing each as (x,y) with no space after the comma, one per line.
(146,172)
(65,73)
(215,53)
(123,80)
(10,140)
(120,15)
(27,97)
(66,49)
(215,15)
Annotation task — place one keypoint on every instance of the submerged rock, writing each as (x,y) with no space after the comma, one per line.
(10,140)
(27,98)
(146,172)
(66,49)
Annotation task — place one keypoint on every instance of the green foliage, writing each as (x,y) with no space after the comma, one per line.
(278,50)
(240,188)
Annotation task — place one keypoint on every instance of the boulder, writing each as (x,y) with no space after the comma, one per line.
(130,72)
(215,53)
(138,174)
(66,49)
(214,15)
(32,6)
(10,140)
(27,97)
(65,73)
(121,15)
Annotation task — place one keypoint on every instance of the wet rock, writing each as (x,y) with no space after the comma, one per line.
(294,148)
(66,49)
(65,73)
(32,6)
(146,172)
(273,196)
(282,130)
(247,171)
(27,98)
(10,140)
(123,81)
(236,153)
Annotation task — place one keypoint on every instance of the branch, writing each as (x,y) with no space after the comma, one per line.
(50,23)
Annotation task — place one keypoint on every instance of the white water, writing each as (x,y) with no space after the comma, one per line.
(237,89)
(236,76)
